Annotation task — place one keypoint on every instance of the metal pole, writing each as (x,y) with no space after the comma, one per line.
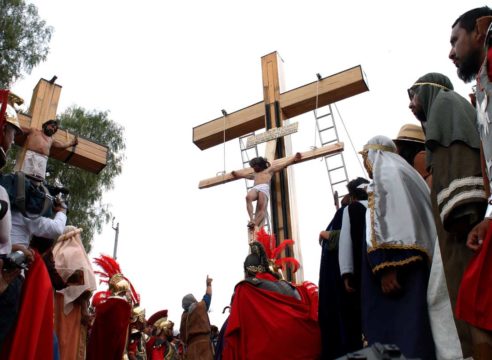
(117,231)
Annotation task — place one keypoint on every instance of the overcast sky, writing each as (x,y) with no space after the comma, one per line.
(163,67)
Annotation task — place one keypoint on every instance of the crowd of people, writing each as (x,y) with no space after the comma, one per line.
(405,261)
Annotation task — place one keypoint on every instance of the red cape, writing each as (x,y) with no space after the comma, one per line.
(267,325)
(110,330)
(474,303)
(33,335)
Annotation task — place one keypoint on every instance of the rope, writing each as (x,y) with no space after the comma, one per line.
(350,139)
(223,172)
(316,128)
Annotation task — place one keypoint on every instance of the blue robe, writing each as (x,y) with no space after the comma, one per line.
(401,319)
(339,312)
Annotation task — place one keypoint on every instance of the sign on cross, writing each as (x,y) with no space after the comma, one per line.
(276,107)
(87,155)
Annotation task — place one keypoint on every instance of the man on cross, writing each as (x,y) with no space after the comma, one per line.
(39,144)
(261,189)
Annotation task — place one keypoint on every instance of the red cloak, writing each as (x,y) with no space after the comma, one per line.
(474,303)
(110,330)
(32,338)
(267,325)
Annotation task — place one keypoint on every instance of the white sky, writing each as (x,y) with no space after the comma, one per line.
(163,67)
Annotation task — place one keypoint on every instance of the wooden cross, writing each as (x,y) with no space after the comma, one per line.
(276,107)
(87,155)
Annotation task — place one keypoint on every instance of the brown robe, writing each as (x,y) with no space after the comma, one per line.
(195,333)
(456,214)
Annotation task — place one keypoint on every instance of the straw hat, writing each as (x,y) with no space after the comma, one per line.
(410,132)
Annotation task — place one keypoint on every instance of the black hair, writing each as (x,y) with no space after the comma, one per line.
(260,162)
(41,244)
(354,191)
(408,149)
(468,20)
(50,122)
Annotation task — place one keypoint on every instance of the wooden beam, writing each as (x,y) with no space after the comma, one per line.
(88,155)
(308,155)
(294,102)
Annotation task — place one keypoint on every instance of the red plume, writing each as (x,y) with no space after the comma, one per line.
(288,260)
(110,268)
(269,241)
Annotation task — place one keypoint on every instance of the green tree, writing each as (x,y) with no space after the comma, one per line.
(24,39)
(86,208)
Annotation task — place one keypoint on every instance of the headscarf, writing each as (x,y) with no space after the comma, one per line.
(69,255)
(189,302)
(399,202)
(450,117)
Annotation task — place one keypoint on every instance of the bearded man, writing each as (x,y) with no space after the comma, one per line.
(39,144)
(471,52)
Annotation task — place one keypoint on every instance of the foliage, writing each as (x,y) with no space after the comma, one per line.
(86,208)
(24,39)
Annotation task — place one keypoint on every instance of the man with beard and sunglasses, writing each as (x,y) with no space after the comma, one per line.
(457,192)
(471,52)
(39,144)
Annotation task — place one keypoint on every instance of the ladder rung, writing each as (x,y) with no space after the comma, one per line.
(329,142)
(327,128)
(337,168)
(322,116)
(339,182)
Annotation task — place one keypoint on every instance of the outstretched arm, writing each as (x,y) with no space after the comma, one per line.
(292,160)
(238,175)
(65,145)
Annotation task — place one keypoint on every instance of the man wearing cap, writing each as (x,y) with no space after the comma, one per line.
(39,144)
(410,145)
(453,159)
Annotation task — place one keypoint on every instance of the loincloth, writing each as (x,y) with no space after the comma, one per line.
(35,164)
(264,188)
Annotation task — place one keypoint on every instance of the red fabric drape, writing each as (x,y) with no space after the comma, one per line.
(474,303)
(110,330)
(268,325)
(33,335)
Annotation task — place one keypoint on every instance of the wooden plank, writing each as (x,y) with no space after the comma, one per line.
(307,155)
(238,123)
(294,102)
(330,90)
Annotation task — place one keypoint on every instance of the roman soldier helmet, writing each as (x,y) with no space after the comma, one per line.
(269,255)
(7,110)
(118,284)
(138,314)
(160,323)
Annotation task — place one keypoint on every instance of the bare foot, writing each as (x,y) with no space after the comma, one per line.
(251,225)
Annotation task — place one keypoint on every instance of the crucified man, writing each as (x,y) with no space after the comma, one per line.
(260,192)
(39,144)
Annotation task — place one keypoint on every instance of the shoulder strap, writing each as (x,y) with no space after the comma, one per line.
(20,196)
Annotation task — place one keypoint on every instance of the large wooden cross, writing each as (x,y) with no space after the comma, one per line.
(86,155)
(276,107)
